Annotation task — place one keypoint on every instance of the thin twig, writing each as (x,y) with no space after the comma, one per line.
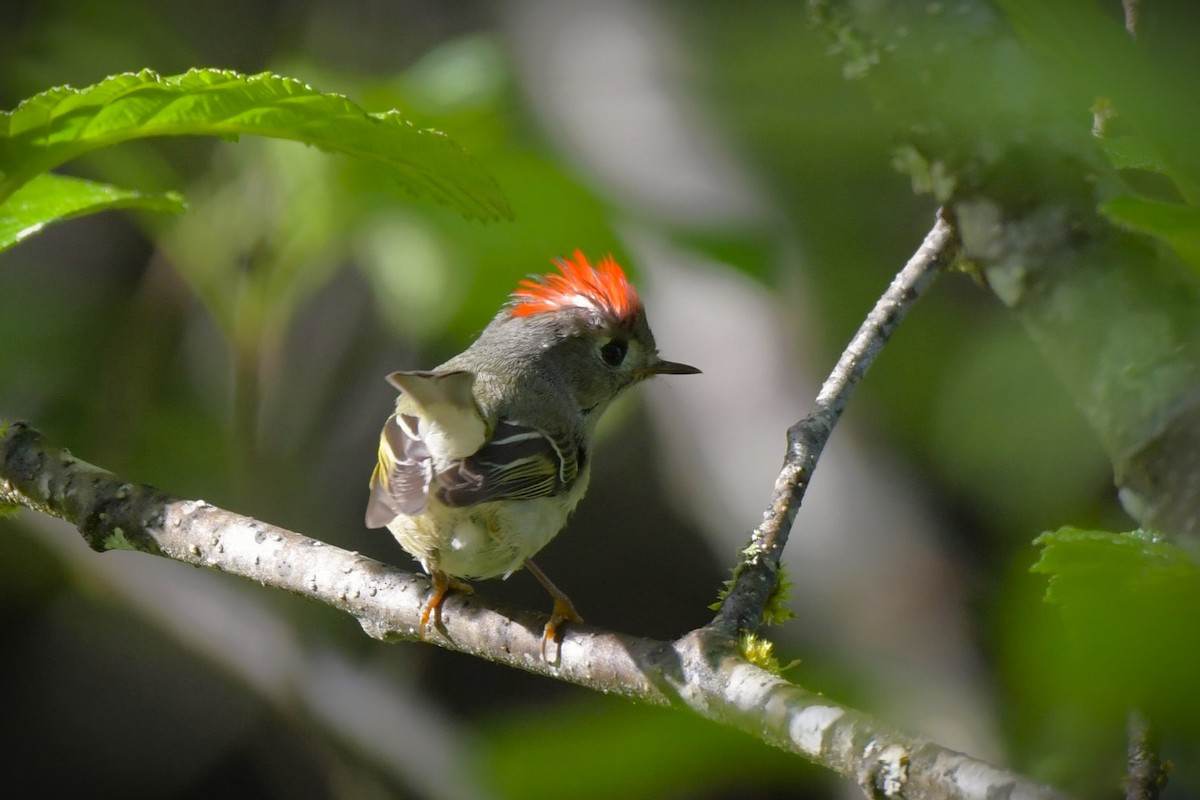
(702,670)
(1131,16)
(755,576)
(1147,775)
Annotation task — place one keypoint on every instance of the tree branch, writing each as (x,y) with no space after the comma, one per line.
(756,576)
(702,670)
(1131,16)
(1147,774)
(1112,313)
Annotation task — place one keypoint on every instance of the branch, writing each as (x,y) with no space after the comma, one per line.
(1113,313)
(756,576)
(1131,16)
(701,670)
(392,725)
(1147,775)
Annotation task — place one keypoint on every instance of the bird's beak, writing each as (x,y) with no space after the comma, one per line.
(661,367)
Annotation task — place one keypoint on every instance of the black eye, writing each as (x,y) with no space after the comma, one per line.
(613,352)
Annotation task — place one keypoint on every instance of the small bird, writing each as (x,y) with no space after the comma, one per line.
(487,455)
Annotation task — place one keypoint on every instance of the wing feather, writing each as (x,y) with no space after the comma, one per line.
(403,473)
(517,463)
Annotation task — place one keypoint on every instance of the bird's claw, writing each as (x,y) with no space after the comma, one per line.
(563,611)
(441,584)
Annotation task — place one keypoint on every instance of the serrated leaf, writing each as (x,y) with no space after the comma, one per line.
(53,198)
(1080,562)
(1176,225)
(1131,607)
(63,123)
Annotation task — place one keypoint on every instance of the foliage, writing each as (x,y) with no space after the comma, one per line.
(1174,221)
(1142,108)
(296,280)
(64,123)
(1178,225)
(1131,603)
(53,198)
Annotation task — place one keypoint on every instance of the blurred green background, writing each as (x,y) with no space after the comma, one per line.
(236,354)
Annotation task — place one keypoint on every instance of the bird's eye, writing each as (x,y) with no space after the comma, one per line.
(613,352)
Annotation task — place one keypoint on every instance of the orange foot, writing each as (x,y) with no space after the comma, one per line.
(442,583)
(564,610)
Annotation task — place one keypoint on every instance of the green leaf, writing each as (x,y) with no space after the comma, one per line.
(1080,562)
(1177,225)
(63,123)
(1133,152)
(1090,50)
(53,198)
(1131,606)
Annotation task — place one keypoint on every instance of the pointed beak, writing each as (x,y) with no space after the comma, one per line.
(661,367)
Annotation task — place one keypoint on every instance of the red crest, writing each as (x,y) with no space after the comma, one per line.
(604,289)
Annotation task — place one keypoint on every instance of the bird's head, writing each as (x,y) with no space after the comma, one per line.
(591,327)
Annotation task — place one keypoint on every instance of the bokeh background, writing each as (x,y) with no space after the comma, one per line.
(236,354)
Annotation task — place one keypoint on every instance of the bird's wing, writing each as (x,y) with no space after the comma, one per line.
(516,463)
(400,482)
(451,425)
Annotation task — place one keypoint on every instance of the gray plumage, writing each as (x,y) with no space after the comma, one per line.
(487,455)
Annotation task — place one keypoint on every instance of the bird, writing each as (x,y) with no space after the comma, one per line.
(487,455)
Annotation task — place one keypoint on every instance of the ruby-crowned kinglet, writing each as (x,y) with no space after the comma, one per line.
(487,455)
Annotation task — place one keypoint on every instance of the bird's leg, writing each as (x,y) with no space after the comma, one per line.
(564,610)
(442,583)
